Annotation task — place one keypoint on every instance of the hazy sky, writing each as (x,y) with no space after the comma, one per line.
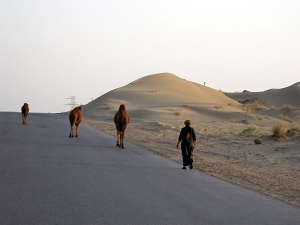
(53,49)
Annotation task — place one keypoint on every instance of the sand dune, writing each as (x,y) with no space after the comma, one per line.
(169,98)
(273,97)
(281,103)
(158,104)
(162,95)
(165,89)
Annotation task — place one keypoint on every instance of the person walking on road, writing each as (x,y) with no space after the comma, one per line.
(187,137)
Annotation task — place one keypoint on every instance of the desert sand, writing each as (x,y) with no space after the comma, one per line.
(226,125)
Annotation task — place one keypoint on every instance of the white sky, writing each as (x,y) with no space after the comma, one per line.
(53,49)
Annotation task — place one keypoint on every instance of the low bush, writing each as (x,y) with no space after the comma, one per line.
(249,131)
(257,141)
(278,132)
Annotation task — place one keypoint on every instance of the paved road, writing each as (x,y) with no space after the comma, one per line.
(48,178)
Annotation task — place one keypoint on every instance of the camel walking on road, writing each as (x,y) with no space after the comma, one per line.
(25,111)
(75,117)
(121,120)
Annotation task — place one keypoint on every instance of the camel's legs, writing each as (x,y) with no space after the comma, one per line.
(23,119)
(122,139)
(118,138)
(77,133)
(71,131)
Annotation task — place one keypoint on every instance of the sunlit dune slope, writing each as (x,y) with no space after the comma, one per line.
(157,94)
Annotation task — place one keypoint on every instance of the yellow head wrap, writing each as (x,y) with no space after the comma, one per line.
(187,122)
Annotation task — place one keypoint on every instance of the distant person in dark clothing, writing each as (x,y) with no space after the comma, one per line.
(187,137)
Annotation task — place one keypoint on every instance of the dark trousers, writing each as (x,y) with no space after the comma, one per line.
(187,155)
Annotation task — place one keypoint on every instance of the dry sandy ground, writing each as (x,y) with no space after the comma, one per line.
(225,128)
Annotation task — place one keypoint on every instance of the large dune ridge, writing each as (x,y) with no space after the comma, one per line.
(164,89)
(277,103)
(272,97)
(226,128)
(165,96)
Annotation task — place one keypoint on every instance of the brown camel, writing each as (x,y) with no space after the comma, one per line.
(25,110)
(75,117)
(121,120)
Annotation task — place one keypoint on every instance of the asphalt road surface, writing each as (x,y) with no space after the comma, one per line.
(48,178)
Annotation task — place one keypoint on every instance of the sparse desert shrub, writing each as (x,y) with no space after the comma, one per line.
(260,106)
(234,132)
(249,131)
(257,141)
(297,127)
(286,106)
(294,132)
(278,132)
(207,131)
(222,131)
(286,118)
(246,109)
(177,112)
(218,107)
